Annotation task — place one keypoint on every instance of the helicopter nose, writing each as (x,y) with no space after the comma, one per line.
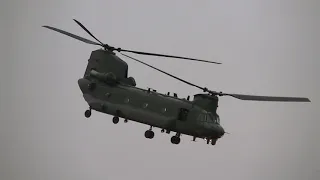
(221,131)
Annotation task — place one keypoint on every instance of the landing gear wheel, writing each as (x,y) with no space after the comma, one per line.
(87,113)
(213,141)
(149,134)
(175,140)
(115,120)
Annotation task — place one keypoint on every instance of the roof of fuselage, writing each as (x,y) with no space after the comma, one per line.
(172,98)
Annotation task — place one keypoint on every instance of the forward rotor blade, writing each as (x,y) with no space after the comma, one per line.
(268,98)
(88,31)
(164,55)
(72,35)
(163,72)
(238,96)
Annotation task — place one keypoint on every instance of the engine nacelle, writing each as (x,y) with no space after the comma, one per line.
(109,78)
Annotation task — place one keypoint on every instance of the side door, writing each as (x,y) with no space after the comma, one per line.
(183,114)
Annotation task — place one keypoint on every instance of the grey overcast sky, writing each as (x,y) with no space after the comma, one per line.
(267,47)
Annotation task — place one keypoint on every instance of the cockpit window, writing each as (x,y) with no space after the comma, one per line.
(218,119)
(213,118)
(208,117)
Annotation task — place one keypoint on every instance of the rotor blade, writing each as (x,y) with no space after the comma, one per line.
(268,98)
(164,72)
(238,96)
(73,36)
(163,55)
(87,31)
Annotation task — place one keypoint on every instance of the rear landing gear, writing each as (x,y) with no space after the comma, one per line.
(87,113)
(115,120)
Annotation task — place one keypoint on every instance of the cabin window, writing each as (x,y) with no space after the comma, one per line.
(145,105)
(183,114)
(108,95)
(164,110)
(127,100)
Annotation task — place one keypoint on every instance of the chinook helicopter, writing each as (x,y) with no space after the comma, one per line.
(107,88)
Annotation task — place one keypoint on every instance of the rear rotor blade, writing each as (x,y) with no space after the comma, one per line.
(72,35)
(268,98)
(110,48)
(88,31)
(164,55)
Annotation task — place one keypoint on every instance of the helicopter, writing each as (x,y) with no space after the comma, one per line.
(106,88)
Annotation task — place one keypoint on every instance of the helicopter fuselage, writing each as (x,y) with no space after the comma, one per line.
(107,88)
(152,108)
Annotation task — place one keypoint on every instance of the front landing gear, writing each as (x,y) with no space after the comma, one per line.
(175,139)
(149,134)
(213,141)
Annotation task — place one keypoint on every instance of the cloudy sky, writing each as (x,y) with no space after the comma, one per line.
(266,47)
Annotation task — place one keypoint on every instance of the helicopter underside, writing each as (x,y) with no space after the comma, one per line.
(105,61)
(111,109)
(121,110)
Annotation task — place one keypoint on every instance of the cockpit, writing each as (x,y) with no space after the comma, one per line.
(208,117)
(217,119)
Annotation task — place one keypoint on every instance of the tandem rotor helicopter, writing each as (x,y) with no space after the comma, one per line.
(107,88)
